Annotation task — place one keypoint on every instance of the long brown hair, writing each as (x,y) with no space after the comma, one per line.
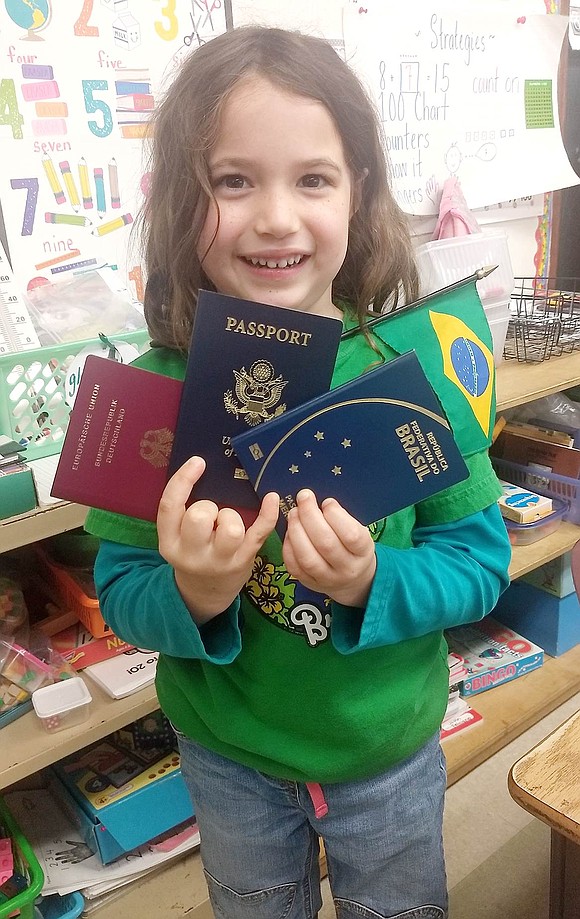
(379,264)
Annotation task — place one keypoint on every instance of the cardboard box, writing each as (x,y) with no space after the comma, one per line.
(553,622)
(117,802)
(493,654)
(522,505)
(555,576)
(17,490)
(525,451)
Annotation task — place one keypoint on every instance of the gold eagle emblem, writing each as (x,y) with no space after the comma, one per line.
(155,447)
(257,391)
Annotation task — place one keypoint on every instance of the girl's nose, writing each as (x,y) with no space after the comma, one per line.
(277,215)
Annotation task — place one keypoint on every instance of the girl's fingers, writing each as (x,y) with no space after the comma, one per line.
(175,495)
(229,533)
(351,533)
(264,522)
(312,528)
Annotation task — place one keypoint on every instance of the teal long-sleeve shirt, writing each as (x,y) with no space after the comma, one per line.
(456,577)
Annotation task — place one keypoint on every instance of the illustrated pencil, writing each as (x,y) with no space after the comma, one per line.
(52,177)
(84,183)
(70,185)
(114,184)
(73,219)
(100,191)
(111,225)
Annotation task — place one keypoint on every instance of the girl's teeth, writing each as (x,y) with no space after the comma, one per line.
(271,263)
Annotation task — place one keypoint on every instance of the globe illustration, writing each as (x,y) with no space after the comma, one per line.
(32,15)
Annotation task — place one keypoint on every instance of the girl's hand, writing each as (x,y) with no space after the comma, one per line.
(329,551)
(210,549)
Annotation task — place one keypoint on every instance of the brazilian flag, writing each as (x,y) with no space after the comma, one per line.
(450,334)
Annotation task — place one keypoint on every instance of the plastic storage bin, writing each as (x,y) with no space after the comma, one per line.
(498,315)
(69,594)
(444,261)
(32,391)
(524,534)
(56,907)
(63,704)
(544,483)
(26,863)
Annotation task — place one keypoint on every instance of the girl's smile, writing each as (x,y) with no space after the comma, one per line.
(283,192)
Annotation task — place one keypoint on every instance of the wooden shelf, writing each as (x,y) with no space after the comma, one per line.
(39,524)
(518,383)
(526,558)
(511,709)
(26,747)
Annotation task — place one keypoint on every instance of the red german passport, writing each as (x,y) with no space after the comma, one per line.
(119,438)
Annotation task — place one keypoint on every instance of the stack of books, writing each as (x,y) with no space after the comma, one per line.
(493,654)
(17,488)
(459,714)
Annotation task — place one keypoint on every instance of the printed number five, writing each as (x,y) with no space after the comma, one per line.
(170,32)
(97,105)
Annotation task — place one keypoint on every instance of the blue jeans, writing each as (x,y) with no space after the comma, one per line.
(259,840)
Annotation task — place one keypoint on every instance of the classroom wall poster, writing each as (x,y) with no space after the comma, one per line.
(78,82)
(464,91)
(72,122)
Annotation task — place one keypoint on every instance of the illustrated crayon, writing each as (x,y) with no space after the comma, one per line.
(111,225)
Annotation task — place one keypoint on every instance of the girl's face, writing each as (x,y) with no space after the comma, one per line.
(284,194)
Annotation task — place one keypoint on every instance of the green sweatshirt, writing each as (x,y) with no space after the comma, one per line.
(288,682)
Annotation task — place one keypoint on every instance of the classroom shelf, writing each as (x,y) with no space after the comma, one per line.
(507,710)
(39,524)
(518,383)
(26,747)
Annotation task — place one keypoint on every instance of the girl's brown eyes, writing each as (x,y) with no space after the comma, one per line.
(313,181)
(233,181)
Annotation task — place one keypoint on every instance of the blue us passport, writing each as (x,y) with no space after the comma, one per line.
(377,444)
(248,363)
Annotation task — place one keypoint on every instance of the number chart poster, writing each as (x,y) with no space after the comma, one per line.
(464,92)
(78,82)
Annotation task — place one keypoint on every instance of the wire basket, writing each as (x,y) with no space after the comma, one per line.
(545,320)
(33,407)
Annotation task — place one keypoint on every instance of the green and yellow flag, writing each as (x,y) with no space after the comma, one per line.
(451,336)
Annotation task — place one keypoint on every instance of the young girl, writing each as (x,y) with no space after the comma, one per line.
(306,680)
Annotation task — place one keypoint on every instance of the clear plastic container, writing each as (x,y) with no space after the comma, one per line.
(524,534)
(443,261)
(62,705)
(19,666)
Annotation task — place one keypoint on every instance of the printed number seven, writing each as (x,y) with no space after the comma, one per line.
(31,186)
(97,105)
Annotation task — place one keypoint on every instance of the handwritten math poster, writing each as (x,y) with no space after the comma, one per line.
(467,91)
(79,80)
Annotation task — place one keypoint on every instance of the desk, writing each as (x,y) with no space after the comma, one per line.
(546,783)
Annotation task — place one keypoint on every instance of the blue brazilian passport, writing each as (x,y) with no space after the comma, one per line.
(248,363)
(377,444)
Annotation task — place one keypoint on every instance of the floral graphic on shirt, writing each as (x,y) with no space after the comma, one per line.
(271,590)
(286,603)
